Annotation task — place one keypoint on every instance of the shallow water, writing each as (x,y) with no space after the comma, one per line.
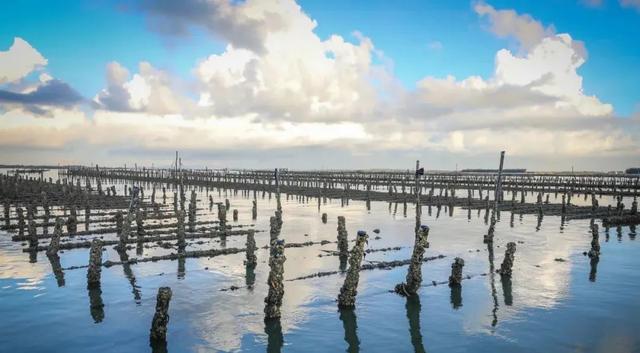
(549,306)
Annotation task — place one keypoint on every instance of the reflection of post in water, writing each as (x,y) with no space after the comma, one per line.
(469,214)
(413,309)
(492,282)
(275,340)
(128,273)
(539,224)
(619,232)
(350,325)
(96,306)
(181,267)
(54,259)
(506,290)
(594,268)
(250,275)
(632,232)
(511,219)
(33,256)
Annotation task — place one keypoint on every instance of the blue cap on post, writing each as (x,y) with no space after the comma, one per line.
(424,227)
(280,242)
(362,233)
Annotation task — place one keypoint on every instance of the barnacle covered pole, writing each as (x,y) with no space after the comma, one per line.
(507,264)
(349,290)
(161,317)
(273,301)
(456,272)
(414,275)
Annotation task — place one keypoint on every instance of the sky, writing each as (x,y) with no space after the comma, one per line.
(321,84)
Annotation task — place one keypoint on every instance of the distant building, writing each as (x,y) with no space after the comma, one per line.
(632,171)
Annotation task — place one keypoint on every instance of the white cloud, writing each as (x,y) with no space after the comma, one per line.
(20,60)
(298,77)
(508,23)
(150,90)
(302,93)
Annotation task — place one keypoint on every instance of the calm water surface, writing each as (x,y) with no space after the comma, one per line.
(549,306)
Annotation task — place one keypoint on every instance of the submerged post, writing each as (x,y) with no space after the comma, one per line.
(349,290)
(161,317)
(414,275)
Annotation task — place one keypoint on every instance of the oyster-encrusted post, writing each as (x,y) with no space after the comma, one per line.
(507,264)
(456,272)
(273,301)
(414,275)
(349,290)
(161,317)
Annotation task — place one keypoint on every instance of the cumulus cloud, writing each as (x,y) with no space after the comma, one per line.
(508,23)
(19,60)
(150,90)
(242,24)
(297,92)
(299,76)
(19,91)
(50,93)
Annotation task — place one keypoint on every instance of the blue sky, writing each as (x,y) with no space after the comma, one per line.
(80,37)
(354,84)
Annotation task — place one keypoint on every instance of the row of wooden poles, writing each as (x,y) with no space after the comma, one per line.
(346,298)
(601,183)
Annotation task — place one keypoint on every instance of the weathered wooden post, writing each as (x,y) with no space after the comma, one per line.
(54,246)
(192,212)
(21,222)
(72,221)
(324,218)
(180,231)
(235,215)
(488,238)
(343,242)
(349,290)
(139,225)
(456,272)
(595,242)
(273,301)
(95,264)
(507,264)
(251,259)
(160,321)
(222,215)
(254,210)
(414,275)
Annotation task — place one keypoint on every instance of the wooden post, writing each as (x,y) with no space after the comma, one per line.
(498,194)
